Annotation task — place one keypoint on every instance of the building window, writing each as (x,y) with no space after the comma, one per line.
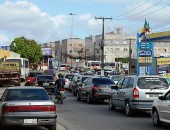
(79,45)
(125,49)
(70,44)
(70,51)
(117,49)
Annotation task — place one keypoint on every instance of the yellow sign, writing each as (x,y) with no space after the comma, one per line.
(145,59)
(166,75)
(163,61)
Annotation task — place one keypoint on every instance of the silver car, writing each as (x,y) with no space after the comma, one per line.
(27,106)
(137,93)
(160,110)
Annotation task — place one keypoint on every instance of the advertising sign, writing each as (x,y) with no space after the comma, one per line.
(47,51)
(163,61)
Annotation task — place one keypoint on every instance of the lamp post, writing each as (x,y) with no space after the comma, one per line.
(71,34)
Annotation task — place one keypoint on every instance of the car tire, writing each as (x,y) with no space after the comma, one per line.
(111,106)
(88,100)
(128,110)
(155,118)
(78,97)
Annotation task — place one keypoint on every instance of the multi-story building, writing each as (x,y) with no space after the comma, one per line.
(71,49)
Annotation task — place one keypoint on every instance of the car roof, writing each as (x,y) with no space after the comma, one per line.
(25,87)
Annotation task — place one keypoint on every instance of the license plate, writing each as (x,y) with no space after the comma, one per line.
(30,121)
(106,90)
(62,92)
(153,95)
(45,84)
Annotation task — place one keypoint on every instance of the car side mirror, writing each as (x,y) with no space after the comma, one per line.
(114,87)
(161,97)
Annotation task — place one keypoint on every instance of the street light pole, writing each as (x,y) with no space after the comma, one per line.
(71,35)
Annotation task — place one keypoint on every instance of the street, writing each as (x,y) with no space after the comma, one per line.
(78,115)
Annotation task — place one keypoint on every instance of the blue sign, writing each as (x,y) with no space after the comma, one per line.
(47,51)
(145,45)
(143,53)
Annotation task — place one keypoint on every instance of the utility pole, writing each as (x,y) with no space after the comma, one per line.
(102,44)
(130,55)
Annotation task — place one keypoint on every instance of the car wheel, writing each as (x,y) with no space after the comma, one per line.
(128,110)
(155,118)
(88,100)
(111,106)
(78,97)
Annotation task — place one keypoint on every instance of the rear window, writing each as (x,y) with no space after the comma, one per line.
(42,78)
(34,74)
(152,82)
(69,76)
(49,72)
(27,94)
(102,81)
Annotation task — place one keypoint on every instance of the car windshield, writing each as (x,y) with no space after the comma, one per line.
(102,81)
(152,82)
(49,72)
(40,78)
(27,94)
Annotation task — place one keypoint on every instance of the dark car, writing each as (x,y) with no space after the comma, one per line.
(27,106)
(46,81)
(95,88)
(78,81)
(52,72)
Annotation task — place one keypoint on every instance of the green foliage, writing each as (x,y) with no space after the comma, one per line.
(27,49)
(123,60)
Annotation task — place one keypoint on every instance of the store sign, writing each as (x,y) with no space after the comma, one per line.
(47,51)
(163,61)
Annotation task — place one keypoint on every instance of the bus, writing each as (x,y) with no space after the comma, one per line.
(93,64)
(117,66)
(24,65)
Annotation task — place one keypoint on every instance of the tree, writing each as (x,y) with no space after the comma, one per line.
(27,48)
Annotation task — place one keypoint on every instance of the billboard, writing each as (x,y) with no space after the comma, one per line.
(5,47)
(47,51)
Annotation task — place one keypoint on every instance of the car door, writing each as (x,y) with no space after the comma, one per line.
(114,92)
(82,90)
(123,91)
(164,107)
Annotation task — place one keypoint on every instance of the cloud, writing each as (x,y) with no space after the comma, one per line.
(25,19)
(3,39)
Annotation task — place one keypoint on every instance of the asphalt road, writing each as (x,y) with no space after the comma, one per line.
(78,115)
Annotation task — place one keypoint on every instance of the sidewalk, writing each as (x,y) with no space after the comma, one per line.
(59,127)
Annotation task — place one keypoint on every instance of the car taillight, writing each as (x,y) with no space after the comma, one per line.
(61,89)
(135,93)
(36,84)
(50,108)
(95,88)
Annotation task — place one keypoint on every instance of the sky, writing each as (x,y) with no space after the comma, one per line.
(50,20)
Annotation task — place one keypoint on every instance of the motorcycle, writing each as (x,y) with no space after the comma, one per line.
(60,95)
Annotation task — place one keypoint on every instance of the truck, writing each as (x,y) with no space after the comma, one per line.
(10,73)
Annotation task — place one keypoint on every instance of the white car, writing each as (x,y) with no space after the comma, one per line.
(160,111)
(64,67)
(68,77)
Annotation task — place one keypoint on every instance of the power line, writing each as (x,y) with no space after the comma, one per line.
(141,11)
(132,9)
